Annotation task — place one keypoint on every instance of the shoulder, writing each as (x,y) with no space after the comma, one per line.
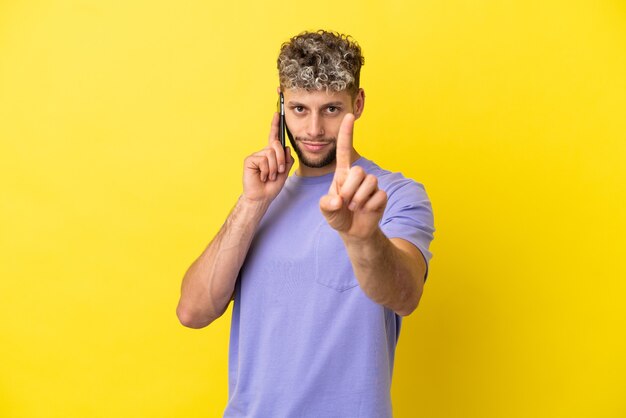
(395,184)
(409,213)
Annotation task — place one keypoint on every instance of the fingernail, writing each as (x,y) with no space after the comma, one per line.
(337,201)
(273,177)
(281,169)
(352,206)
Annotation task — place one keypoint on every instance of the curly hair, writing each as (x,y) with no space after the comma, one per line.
(320,60)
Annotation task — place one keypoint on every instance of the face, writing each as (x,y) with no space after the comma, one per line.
(314,117)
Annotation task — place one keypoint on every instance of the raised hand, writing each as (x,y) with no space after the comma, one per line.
(354,204)
(265,172)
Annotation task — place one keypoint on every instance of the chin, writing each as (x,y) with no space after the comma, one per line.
(317,161)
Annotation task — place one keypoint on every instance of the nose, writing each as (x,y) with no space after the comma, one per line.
(315,128)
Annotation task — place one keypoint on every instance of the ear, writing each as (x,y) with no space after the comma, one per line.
(359,103)
(278,90)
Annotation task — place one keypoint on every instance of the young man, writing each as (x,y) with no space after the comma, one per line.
(321,264)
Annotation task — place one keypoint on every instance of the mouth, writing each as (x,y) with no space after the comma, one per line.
(314,146)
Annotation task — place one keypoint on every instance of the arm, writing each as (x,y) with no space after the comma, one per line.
(390,272)
(209,283)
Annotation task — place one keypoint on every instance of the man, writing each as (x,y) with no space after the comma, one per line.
(322,264)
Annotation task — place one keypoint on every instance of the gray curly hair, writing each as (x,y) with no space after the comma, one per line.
(320,60)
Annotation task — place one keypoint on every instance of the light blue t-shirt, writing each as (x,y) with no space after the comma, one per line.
(305,340)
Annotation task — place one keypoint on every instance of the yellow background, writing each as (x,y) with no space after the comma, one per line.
(123,128)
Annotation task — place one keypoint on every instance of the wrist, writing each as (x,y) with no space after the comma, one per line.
(363,251)
(373,239)
(252,207)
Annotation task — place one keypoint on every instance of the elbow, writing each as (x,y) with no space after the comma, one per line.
(407,310)
(189,319)
(410,304)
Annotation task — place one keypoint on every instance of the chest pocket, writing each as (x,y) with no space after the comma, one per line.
(332,265)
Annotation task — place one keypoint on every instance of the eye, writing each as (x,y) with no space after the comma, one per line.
(333,109)
(299,109)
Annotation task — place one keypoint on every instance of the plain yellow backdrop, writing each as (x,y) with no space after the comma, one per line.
(123,127)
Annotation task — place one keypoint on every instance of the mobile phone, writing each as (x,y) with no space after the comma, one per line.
(283,126)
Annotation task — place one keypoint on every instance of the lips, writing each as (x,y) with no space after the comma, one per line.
(314,146)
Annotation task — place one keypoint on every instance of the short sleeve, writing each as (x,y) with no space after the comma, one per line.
(409,214)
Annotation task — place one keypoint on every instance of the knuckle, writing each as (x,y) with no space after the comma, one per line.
(252,159)
(358,170)
(372,180)
(346,194)
(277,150)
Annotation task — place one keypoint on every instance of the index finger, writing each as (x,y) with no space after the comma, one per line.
(274,143)
(344,141)
(274,130)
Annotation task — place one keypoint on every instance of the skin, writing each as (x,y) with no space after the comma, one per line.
(314,118)
(389,271)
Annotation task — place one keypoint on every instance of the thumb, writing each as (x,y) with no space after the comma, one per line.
(329,204)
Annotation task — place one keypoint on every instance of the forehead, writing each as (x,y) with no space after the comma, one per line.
(315,97)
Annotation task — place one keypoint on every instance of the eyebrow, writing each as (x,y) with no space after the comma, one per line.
(335,104)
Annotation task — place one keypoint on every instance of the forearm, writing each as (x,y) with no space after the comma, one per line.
(387,274)
(209,282)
